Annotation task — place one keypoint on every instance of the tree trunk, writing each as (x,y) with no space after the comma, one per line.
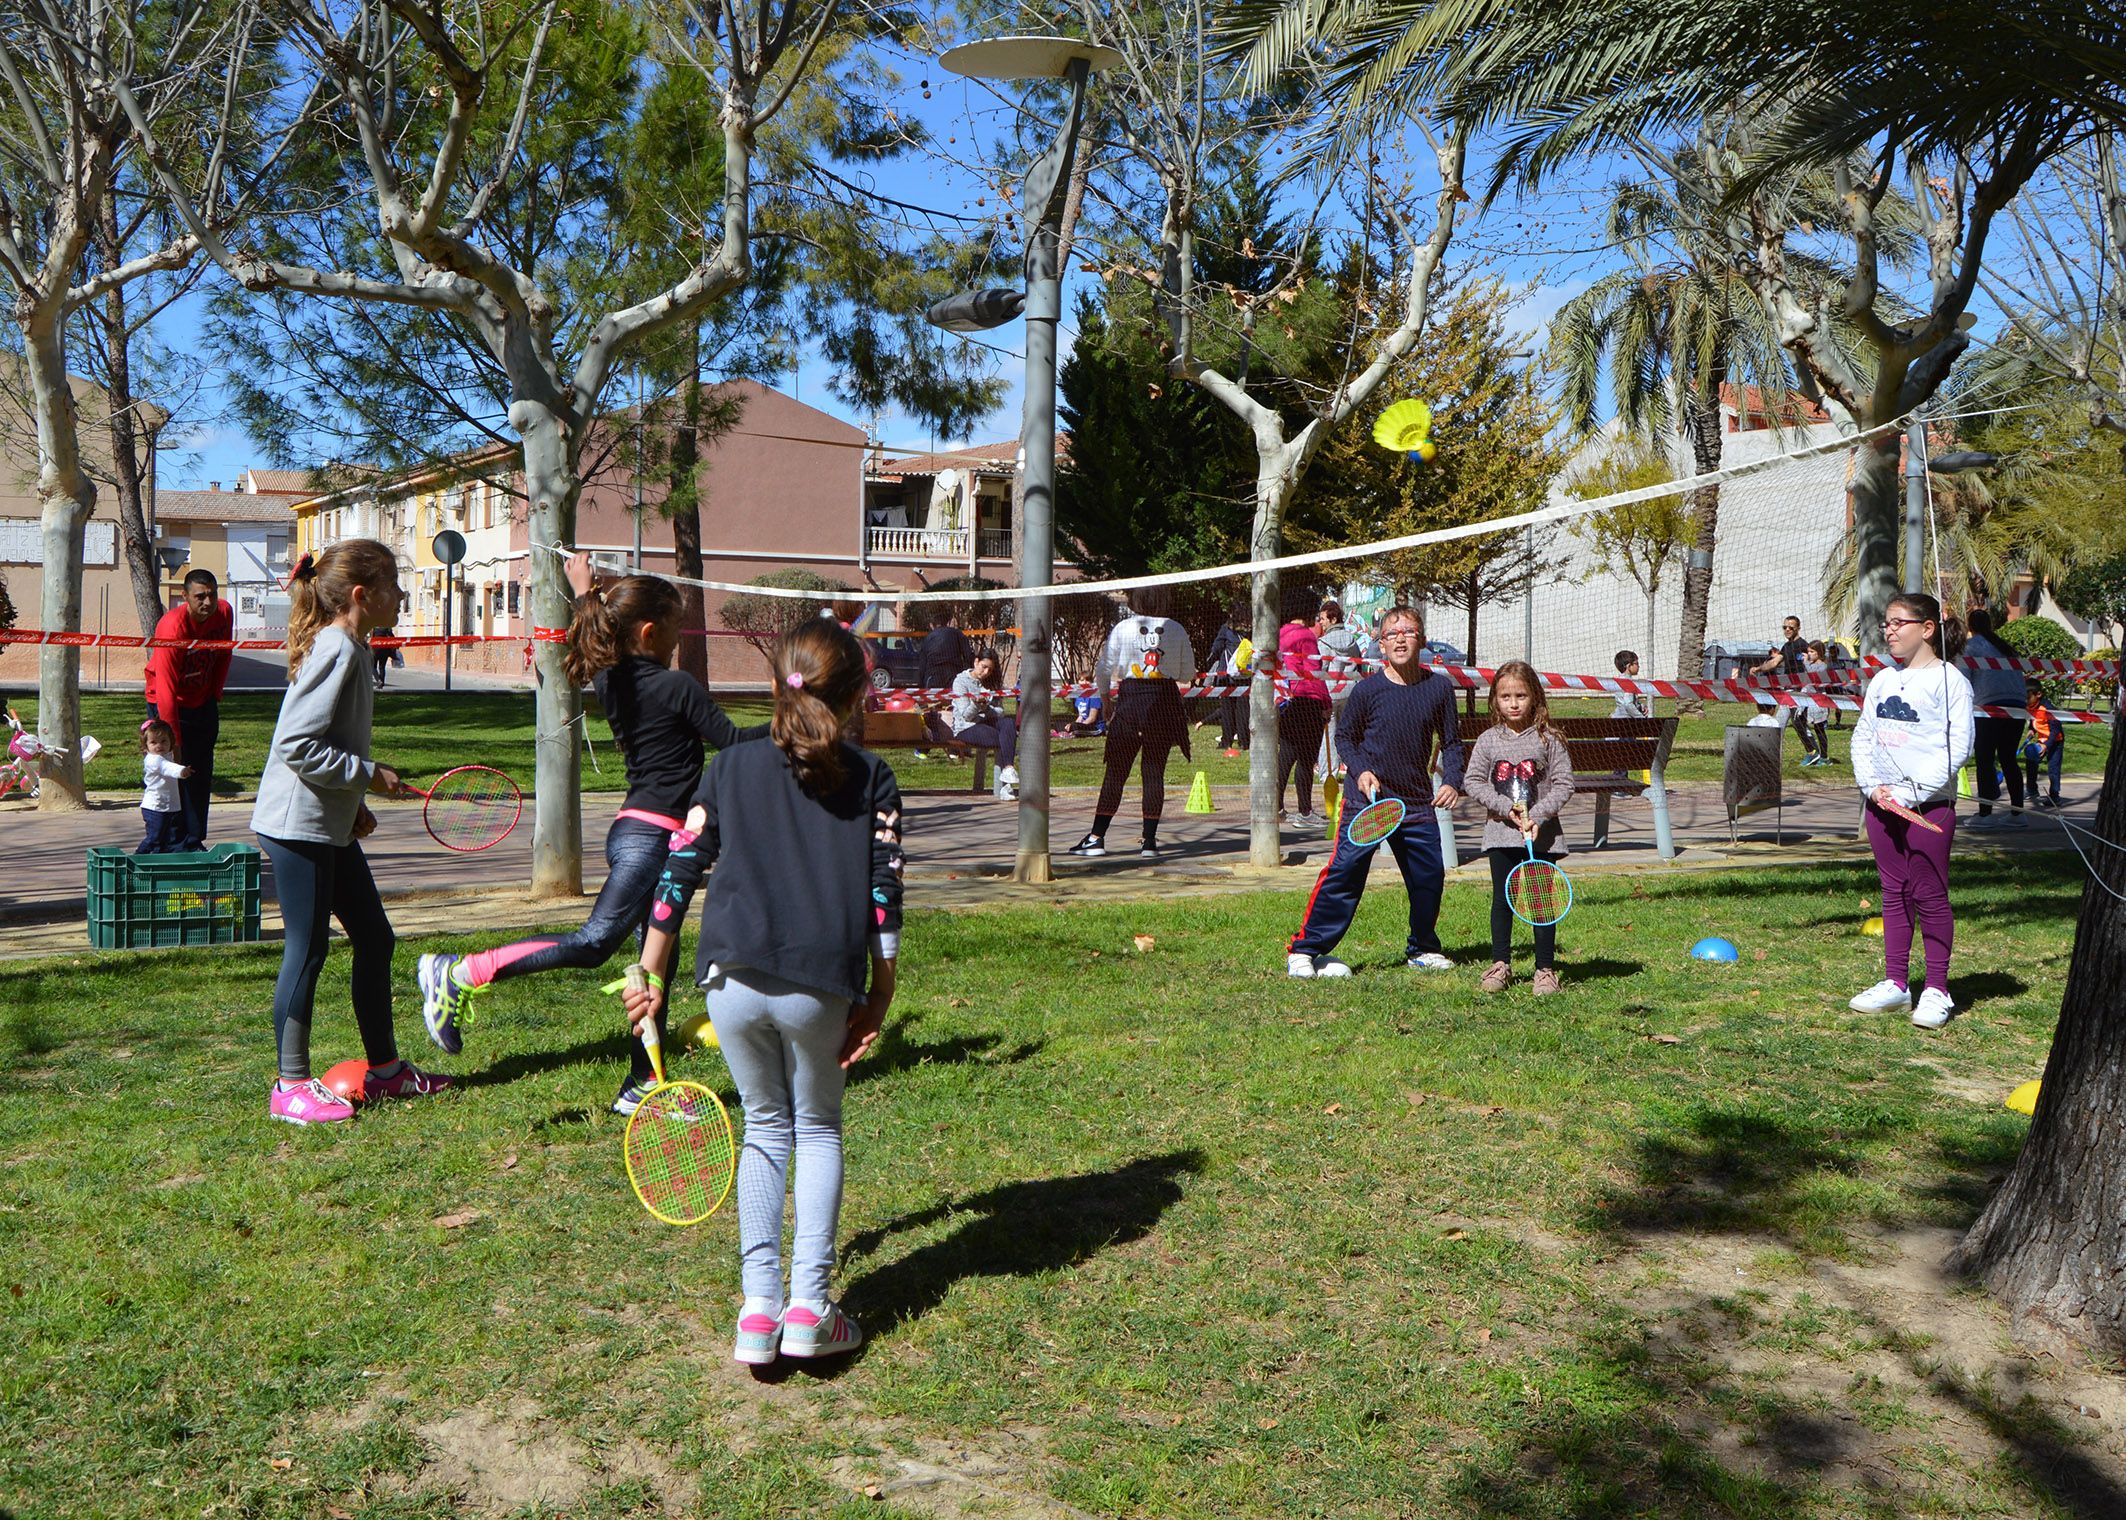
(1274,474)
(133,534)
(2052,1243)
(1701,422)
(551,484)
(68,497)
(683,506)
(1878,515)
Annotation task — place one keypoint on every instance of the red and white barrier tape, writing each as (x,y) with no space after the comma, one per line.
(1763,691)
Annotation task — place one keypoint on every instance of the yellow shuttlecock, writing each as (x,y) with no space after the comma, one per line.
(1872,928)
(1406,427)
(2023,1100)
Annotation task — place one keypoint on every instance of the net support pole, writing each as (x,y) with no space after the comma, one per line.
(1915,504)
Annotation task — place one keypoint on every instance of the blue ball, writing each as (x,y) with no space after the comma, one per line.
(1714,949)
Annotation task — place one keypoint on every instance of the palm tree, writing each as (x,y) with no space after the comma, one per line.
(1964,99)
(1983,92)
(1675,326)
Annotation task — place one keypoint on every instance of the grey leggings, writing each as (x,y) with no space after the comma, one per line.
(783,1044)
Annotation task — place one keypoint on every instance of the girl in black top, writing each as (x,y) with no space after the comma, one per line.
(621,642)
(805,838)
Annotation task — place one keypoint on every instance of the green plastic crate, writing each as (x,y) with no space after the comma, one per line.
(145,902)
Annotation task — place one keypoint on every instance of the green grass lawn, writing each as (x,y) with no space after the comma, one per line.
(427,732)
(1148,1232)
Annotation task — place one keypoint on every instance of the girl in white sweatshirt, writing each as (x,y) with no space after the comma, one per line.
(1913,737)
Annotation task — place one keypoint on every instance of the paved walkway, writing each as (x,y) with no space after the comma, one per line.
(961,849)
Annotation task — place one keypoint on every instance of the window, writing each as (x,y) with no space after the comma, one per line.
(514,601)
(497,598)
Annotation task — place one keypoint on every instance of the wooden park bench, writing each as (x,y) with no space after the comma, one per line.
(926,730)
(1606,753)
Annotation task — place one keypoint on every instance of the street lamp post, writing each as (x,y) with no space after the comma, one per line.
(1047,187)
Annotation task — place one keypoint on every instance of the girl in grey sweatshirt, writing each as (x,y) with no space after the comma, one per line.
(310,819)
(1521,775)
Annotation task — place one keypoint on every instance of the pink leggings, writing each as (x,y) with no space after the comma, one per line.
(1913,864)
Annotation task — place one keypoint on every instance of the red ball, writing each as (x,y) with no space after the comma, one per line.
(345,1079)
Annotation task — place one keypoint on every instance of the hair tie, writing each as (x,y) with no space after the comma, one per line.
(148,723)
(795,680)
(307,565)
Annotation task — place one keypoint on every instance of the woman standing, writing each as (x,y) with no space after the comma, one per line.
(1996,742)
(1147,657)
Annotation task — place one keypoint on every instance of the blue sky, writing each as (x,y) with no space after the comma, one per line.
(1547,244)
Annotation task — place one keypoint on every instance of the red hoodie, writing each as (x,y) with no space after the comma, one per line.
(179,678)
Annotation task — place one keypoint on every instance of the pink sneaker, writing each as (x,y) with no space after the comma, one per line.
(309,1102)
(409,1081)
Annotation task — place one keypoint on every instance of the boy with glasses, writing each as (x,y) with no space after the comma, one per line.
(1394,723)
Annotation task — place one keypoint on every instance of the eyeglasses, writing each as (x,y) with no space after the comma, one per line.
(1400,636)
(1889,623)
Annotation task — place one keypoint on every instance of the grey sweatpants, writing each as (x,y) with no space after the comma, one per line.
(783,1044)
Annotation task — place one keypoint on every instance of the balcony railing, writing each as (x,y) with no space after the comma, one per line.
(938,543)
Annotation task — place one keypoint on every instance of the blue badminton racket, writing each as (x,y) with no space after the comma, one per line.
(1538,890)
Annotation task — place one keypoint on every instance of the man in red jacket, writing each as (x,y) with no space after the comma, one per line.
(184,690)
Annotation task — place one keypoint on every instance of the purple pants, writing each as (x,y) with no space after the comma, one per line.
(1913,864)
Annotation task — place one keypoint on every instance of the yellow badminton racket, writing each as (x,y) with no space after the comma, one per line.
(681,1158)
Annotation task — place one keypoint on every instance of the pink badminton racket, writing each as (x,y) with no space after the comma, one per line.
(471,808)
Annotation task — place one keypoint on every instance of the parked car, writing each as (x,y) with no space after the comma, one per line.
(1439,652)
(896,660)
(1727,659)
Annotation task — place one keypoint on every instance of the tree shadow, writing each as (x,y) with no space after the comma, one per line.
(1723,1170)
(1020,1229)
(1706,1406)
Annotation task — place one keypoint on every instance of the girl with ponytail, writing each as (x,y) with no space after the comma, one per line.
(310,819)
(620,643)
(805,836)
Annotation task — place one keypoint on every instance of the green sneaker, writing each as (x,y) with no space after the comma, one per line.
(446,1001)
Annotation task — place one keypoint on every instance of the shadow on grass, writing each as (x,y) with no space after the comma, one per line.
(1725,1170)
(896,1053)
(1020,1229)
(612,1048)
(1989,984)
(1686,1402)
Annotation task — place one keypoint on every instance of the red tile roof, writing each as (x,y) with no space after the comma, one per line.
(222,506)
(982,458)
(1758,408)
(279,482)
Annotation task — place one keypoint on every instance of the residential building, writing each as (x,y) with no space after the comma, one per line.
(787,487)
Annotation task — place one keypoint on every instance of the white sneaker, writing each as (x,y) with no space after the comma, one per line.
(1301,966)
(1329,965)
(1884,997)
(1431,960)
(1934,1010)
(1008,776)
(1306,820)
